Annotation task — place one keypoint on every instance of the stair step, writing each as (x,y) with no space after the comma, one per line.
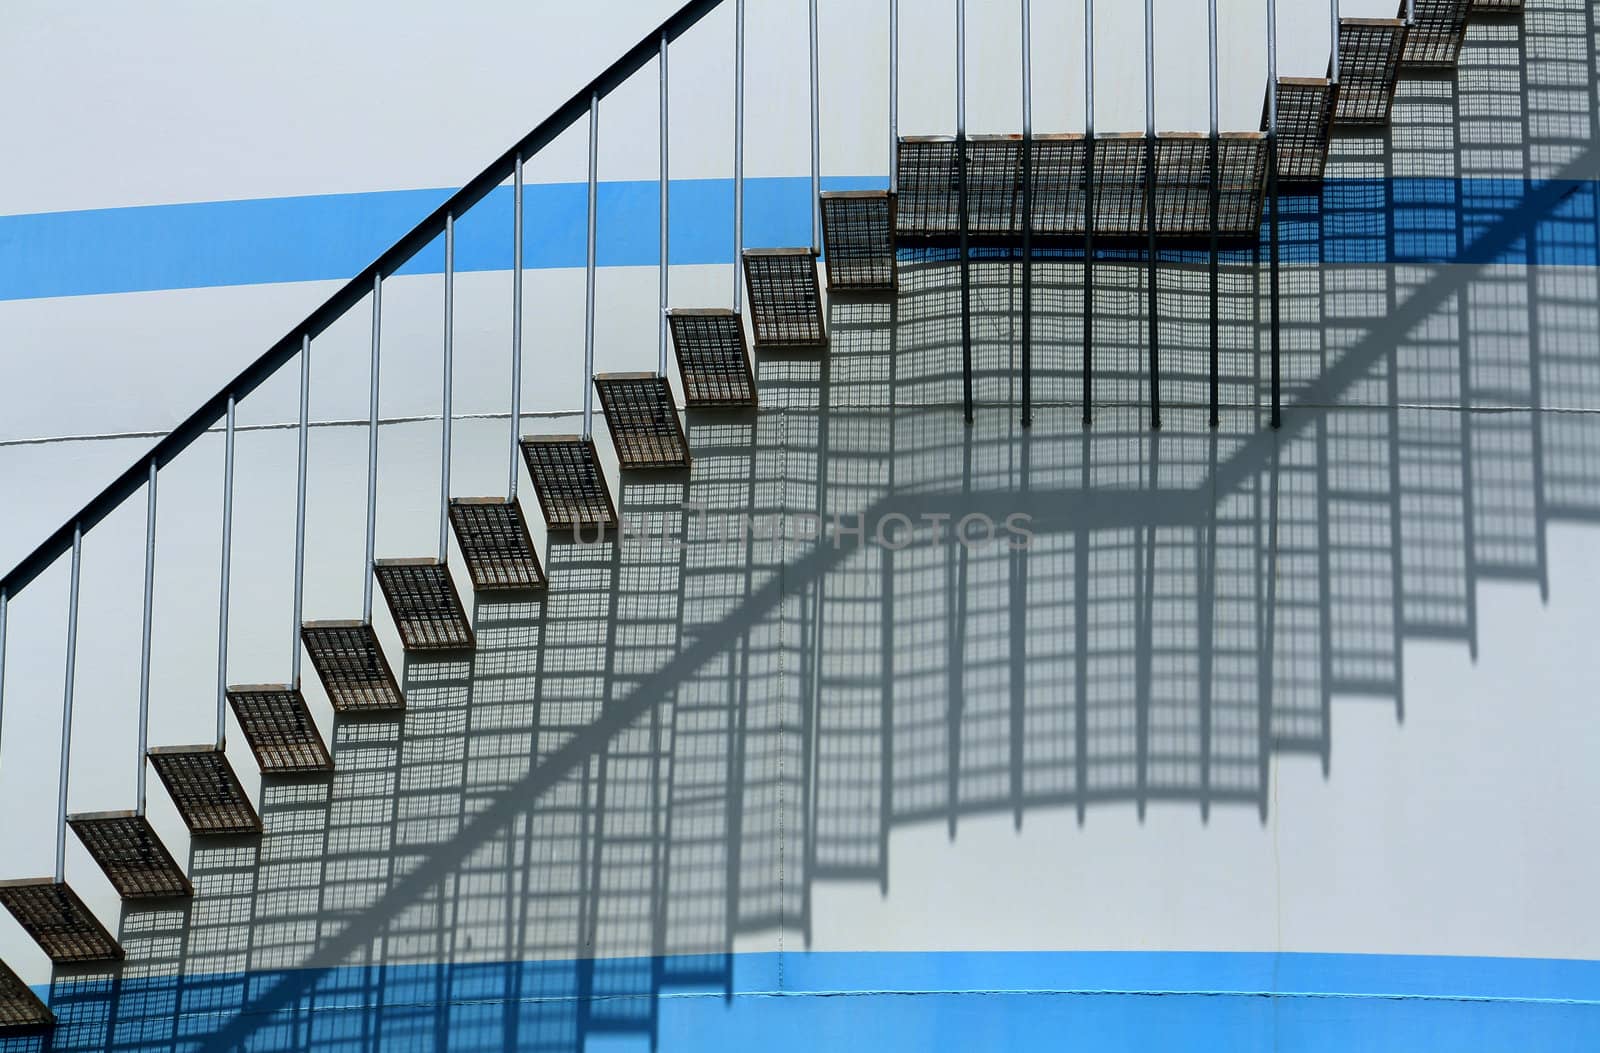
(572,488)
(643,419)
(132,856)
(20,1008)
(785,299)
(1305,124)
(712,357)
(352,667)
(422,599)
(928,206)
(205,790)
(59,922)
(1497,7)
(858,240)
(1437,34)
(1369,66)
(493,535)
(278,725)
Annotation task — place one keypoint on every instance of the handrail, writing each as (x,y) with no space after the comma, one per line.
(348,295)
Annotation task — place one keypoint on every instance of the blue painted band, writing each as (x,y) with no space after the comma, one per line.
(881,1001)
(183,246)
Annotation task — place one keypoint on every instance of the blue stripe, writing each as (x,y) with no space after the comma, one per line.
(884,1002)
(1410,220)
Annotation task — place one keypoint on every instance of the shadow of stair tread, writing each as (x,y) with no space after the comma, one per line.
(643,419)
(426,608)
(1436,37)
(62,925)
(713,358)
(568,479)
(494,539)
(21,1010)
(1306,107)
(352,667)
(1370,50)
(858,240)
(278,726)
(785,299)
(205,790)
(135,861)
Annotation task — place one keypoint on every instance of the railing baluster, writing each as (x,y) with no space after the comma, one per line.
(145,636)
(1027,214)
(1088,212)
(449,379)
(816,139)
(5,602)
(66,704)
(372,451)
(894,96)
(961,207)
(516,326)
(1333,35)
(302,466)
(1272,205)
(666,212)
(1215,217)
(738,153)
(589,268)
(227,571)
(1152,277)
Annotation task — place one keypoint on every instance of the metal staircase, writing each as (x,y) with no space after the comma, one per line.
(1082,195)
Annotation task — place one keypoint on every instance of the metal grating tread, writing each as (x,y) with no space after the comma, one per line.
(20,1008)
(423,601)
(858,240)
(1437,34)
(205,790)
(279,728)
(1497,7)
(494,539)
(1369,65)
(1305,124)
(712,357)
(59,922)
(785,298)
(572,488)
(928,207)
(643,419)
(1183,185)
(132,856)
(353,669)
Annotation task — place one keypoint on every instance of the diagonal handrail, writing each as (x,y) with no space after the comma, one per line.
(352,292)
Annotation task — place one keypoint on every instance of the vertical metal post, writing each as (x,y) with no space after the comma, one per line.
(1027,214)
(1272,201)
(372,451)
(449,378)
(145,635)
(589,264)
(816,140)
(1088,212)
(516,326)
(1150,180)
(1411,12)
(300,510)
(666,197)
(1215,219)
(227,572)
(4,603)
(1333,35)
(894,96)
(738,154)
(66,704)
(961,207)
